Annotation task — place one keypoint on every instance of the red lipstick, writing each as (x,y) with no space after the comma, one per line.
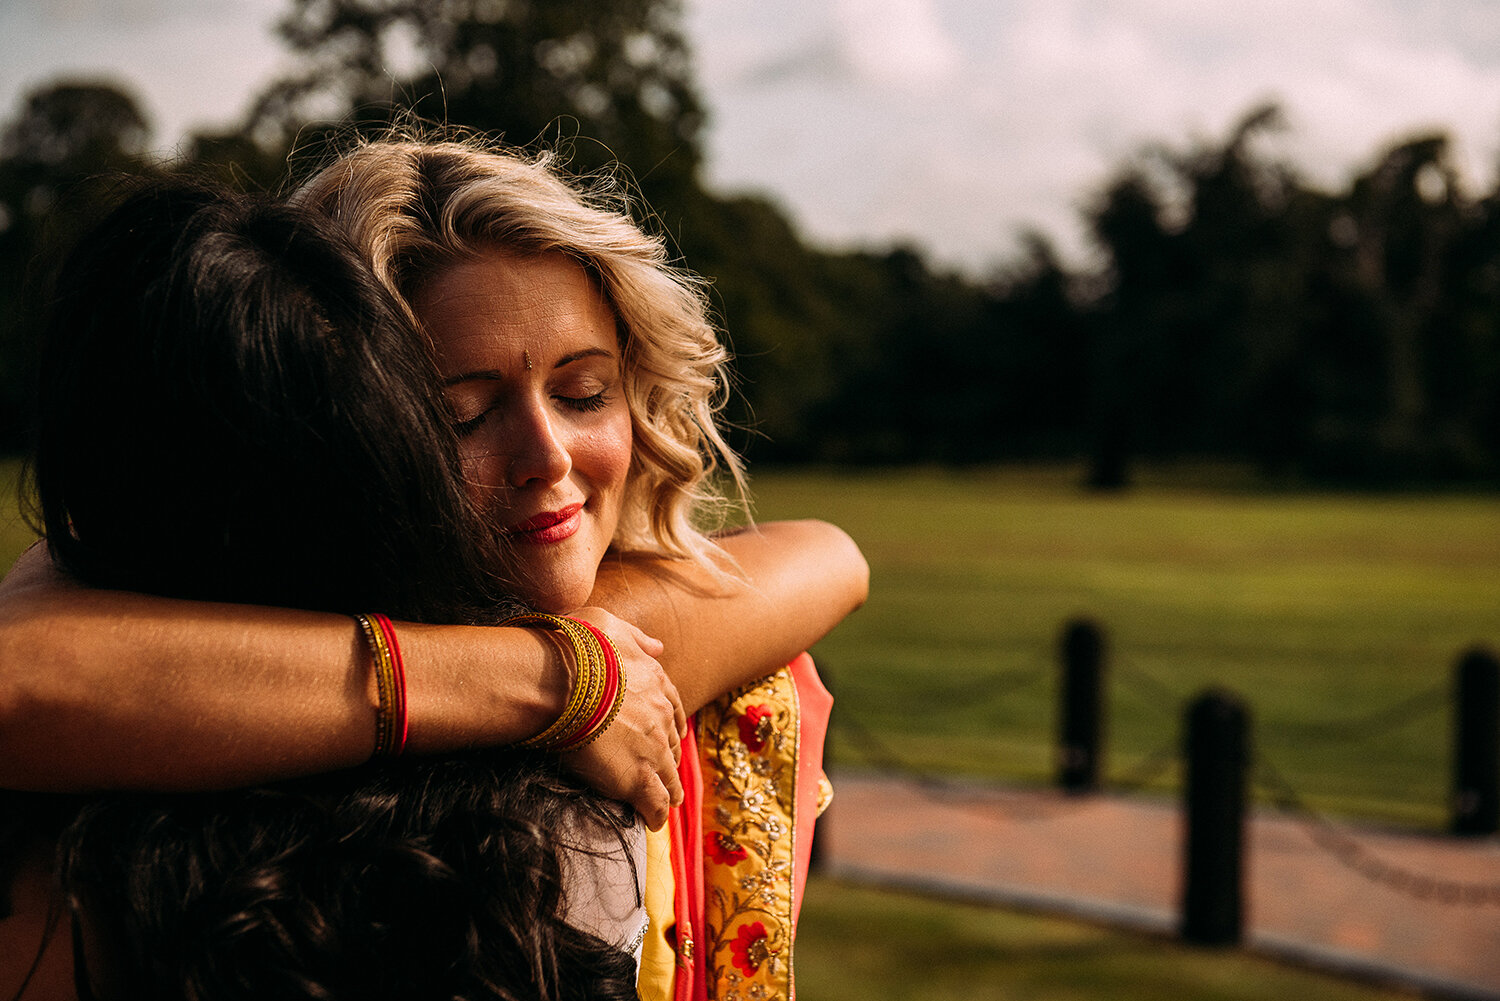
(549,526)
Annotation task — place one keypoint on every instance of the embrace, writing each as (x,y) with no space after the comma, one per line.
(387,641)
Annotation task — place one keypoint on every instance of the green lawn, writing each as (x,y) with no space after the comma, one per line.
(15,534)
(858,944)
(1318,608)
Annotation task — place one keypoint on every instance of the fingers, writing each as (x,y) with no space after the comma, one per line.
(618,628)
(657,678)
(679,715)
(646,783)
(649,644)
(635,760)
(657,795)
(654,807)
(677,730)
(673,785)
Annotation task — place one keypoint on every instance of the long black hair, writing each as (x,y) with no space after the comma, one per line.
(228,401)
(231,408)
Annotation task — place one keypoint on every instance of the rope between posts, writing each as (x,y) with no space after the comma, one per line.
(1000,686)
(1153,692)
(1349,852)
(986,690)
(1429,702)
(1408,710)
(879,754)
(1148,769)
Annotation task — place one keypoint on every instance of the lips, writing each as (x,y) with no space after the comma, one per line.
(549,526)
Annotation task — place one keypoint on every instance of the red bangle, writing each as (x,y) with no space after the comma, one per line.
(401,722)
(390,684)
(610,701)
(598,687)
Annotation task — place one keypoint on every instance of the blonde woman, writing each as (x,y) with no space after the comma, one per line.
(582,372)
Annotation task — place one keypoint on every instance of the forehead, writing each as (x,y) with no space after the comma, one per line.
(500,303)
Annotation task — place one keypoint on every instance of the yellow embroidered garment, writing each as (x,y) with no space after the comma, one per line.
(748,744)
(741,844)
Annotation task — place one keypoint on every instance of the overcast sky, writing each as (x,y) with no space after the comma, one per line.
(951,124)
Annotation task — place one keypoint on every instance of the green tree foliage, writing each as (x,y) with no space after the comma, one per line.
(1237,311)
(65,143)
(1032,358)
(1332,336)
(783,323)
(602,83)
(1411,267)
(1196,322)
(617,73)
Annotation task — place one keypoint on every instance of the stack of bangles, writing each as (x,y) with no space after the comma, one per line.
(390,684)
(598,686)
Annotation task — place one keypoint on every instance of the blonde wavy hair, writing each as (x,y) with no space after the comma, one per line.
(415,206)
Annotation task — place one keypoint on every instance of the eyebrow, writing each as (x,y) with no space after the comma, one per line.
(495,374)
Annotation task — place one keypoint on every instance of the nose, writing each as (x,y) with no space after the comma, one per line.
(538,451)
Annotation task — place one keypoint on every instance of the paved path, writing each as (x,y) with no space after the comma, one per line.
(1118,860)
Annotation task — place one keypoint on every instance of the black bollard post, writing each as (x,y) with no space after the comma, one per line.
(1217,746)
(1081,716)
(1476,744)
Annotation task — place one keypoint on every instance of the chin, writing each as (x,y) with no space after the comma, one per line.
(561,599)
(559,580)
(558,604)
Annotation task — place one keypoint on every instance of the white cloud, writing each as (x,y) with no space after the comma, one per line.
(963,123)
(896,43)
(191,62)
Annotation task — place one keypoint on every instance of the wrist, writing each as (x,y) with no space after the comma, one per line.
(481,686)
(598,687)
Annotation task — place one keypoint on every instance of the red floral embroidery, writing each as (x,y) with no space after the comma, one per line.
(750,949)
(756,727)
(723,849)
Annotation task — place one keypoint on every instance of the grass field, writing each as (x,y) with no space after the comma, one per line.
(856,944)
(15,534)
(1320,609)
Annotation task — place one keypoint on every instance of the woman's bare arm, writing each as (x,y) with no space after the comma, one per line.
(113,689)
(108,689)
(793,582)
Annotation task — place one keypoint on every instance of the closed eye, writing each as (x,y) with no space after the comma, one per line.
(586,404)
(467,427)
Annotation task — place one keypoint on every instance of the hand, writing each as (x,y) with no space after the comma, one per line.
(635,759)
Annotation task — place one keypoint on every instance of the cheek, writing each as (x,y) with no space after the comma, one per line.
(609,451)
(484,477)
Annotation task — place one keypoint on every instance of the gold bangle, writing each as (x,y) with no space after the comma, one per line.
(589,683)
(385,687)
(614,708)
(587,693)
(589,688)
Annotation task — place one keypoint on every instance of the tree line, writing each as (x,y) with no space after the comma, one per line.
(1233,310)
